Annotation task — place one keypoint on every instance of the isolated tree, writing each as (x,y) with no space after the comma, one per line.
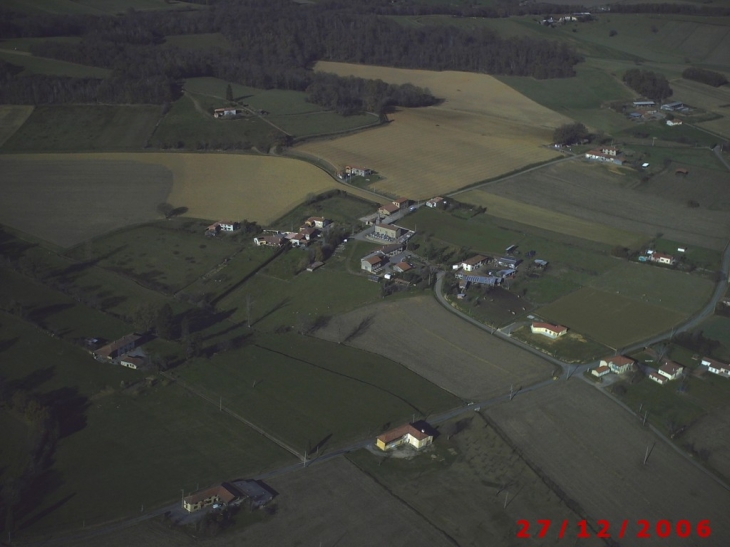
(229,93)
(144,317)
(165,209)
(570,133)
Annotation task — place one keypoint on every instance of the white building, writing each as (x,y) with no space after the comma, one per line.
(548,329)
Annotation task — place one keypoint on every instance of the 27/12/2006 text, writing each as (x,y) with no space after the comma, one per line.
(645,529)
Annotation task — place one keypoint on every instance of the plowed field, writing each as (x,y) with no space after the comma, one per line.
(420,334)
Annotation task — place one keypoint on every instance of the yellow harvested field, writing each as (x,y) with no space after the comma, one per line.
(482,129)
(714,99)
(11,118)
(214,186)
(553,221)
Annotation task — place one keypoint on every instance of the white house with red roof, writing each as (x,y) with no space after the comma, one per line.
(661,258)
(548,329)
(473,263)
(671,370)
(658,378)
(618,364)
(716,367)
(601,371)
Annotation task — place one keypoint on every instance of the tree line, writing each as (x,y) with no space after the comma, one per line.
(275,43)
(649,84)
(701,75)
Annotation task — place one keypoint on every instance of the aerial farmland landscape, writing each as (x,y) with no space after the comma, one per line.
(356,272)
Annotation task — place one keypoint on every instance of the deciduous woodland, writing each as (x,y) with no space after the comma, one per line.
(273,45)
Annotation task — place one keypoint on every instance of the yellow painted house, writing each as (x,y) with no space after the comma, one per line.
(405,434)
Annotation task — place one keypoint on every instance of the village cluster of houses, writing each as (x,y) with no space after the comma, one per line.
(646,110)
(667,371)
(228,494)
(617,364)
(308,233)
(124,351)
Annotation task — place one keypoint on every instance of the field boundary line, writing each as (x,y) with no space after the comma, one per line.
(659,434)
(403,502)
(235,415)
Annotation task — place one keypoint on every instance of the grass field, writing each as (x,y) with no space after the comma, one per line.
(288,110)
(169,255)
(581,98)
(69,128)
(94,7)
(109,191)
(435,344)
(102,447)
(619,200)
(12,117)
(428,151)
(41,65)
(610,318)
(548,219)
(713,99)
(571,348)
(462,484)
(190,125)
(572,422)
(300,301)
(313,393)
(684,134)
(342,208)
(83,195)
(658,286)
(331,502)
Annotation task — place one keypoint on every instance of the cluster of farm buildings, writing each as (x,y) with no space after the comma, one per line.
(309,232)
(124,351)
(667,371)
(472,270)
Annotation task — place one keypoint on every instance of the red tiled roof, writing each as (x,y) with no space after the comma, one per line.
(398,432)
(375,259)
(671,368)
(620,360)
(224,491)
(602,369)
(404,266)
(475,260)
(390,207)
(658,377)
(549,326)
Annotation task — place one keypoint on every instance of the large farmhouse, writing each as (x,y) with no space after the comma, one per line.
(471,264)
(387,231)
(388,209)
(716,367)
(222,494)
(270,241)
(405,434)
(373,263)
(119,347)
(548,329)
(661,258)
(606,154)
(671,370)
(618,364)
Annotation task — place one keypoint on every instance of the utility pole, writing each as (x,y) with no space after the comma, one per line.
(646,413)
(506,497)
(646,456)
(511,393)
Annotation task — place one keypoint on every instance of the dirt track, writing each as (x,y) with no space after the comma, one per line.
(434,343)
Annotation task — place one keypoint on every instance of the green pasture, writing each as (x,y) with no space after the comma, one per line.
(664,405)
(198,41)
(41,65)
(166,255)
(342,208)
(570,348)
(298,303)
(221,280)
(546,288)
(76,128)
(663,287)
(577,260)
(322,123)
(717,327)
(24,44)
(308,391)
(94,7)
(81,279)
(702,258)
(56,311)
(274,101)
(659,155)
(684,134)
(610,318)
(190,124)
(582,98)
(107,450)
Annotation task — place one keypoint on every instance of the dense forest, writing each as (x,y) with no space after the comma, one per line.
(274,45)
(649,84)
